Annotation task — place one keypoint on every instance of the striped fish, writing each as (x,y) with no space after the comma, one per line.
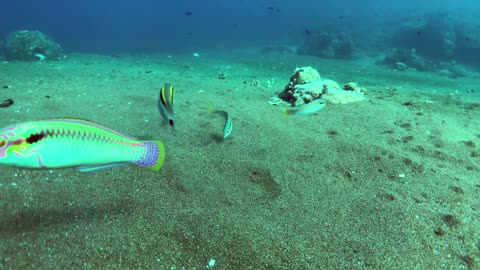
(165,104)
(74,143)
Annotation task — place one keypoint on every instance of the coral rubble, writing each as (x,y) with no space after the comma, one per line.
(307,85)
(327,45)
(28,45)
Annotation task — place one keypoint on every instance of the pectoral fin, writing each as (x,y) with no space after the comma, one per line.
(95,168)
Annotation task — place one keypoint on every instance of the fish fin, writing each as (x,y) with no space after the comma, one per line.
(95,168)
(90,123)
(211,109)
(166,97)
(156,153)
(162,97)
(170,89)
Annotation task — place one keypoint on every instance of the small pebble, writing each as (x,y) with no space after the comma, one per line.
(211,264)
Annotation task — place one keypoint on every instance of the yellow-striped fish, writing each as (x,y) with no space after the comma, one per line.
(74,143)
(165,104)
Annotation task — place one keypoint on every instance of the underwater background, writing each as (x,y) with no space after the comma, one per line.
(153,26)
(382,174)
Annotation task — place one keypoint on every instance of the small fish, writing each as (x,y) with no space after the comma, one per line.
(74,143)
(6,103)
(40,57)
(227,129)
(272,8)
(165,104)
(307,109)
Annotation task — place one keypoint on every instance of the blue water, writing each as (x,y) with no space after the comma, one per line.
(155,26)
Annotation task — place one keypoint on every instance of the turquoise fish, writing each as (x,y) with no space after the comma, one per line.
(307,109)
(74,143)
(228,127)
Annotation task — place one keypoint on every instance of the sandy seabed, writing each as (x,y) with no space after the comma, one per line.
(392,182)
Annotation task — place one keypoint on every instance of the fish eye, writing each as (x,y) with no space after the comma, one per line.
(170,122)
(33,138)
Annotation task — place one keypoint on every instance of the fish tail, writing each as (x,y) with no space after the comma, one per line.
(154,155)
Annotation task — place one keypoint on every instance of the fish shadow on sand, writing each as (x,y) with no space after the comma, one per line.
(36,220)
(217,138)
(270,190)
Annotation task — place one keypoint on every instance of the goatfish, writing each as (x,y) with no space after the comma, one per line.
(165,104)
(74,143)
(227,129)
(307,109)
